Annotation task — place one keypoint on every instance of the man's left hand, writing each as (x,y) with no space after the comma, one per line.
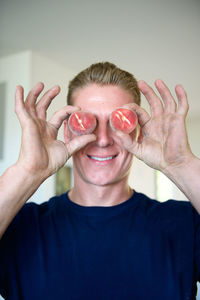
(163,142)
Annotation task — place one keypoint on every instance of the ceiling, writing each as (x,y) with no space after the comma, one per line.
(152,39)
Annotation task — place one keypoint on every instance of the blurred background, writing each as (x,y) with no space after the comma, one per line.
(51,41)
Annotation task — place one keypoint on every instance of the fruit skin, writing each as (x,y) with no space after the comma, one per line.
(82,122)
(123,119)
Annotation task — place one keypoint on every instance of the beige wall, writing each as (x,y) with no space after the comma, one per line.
(27,69)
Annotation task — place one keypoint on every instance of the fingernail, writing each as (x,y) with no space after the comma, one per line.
(55,88)
(160,82)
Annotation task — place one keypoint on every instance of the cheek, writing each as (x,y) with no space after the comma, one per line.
(77,155)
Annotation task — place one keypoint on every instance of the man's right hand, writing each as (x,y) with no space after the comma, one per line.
(41,153)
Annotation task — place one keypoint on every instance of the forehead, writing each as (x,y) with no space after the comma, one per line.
(98,98)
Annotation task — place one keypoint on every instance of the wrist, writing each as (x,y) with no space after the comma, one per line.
(186,176)
(182,166)
(28,173)
(16,187)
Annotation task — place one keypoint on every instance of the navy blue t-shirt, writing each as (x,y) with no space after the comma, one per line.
(140,249)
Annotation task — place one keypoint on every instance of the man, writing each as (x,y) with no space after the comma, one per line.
(101,240)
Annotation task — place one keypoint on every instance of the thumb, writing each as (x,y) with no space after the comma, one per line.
(79,142)
(128,143)
(132,146)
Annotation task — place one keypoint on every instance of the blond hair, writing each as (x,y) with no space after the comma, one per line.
(104,73)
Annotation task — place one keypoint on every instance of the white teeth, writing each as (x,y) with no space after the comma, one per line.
(101,158)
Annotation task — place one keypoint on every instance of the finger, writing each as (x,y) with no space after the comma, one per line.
(153,100)
(19,104)
(128,143)
(61,115)
(45,101)
(143,116)
(67,133)
(183,105)
(168,100)
(19,99)
(32,98)
(79,142)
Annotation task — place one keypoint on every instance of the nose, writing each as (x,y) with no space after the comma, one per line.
(104,135)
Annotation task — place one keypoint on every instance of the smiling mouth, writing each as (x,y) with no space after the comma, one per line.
(101,158)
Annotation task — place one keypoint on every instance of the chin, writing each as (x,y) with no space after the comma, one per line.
(102,181)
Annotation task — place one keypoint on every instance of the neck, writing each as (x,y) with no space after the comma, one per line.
(87,194)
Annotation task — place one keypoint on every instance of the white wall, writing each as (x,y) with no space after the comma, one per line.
(14,70)
(27,69)
(142,178)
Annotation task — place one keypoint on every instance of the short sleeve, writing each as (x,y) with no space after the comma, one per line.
(197,244)
(11,243)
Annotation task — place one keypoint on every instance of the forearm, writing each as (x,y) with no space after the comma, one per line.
(16,187)
(187,179)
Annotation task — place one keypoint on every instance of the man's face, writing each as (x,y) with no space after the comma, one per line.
(104,161)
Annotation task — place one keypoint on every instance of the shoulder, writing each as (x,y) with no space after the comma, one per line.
(33,215)
(53,204)
(177,220)
(167,210)
(168,204)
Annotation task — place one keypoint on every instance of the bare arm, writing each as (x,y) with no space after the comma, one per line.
(41,154)
(163,144)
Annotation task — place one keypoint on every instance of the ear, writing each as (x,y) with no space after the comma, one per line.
(67,134)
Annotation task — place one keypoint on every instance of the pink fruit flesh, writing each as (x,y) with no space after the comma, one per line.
(82,123)
(124,120)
